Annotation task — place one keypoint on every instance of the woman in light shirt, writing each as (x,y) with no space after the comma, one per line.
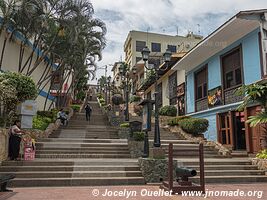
(14,140)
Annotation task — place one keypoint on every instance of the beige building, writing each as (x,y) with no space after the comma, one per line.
(158,44)
(116,74)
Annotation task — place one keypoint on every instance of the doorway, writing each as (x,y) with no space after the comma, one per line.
(231,130)
(239,131)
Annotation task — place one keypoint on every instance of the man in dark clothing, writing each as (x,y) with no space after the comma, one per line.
(88,111)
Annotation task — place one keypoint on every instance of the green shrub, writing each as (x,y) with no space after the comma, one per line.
(125,125)
(50,114)
(101,100)
(194,125)
(262,154)
(135,98)
(175,121)
(168,111)
(76,108)
(138,136)
(40,123)
(81,95)
(99,95)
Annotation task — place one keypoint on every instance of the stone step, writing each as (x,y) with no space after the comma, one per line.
(185,152)
(106,148)
(70,156)
(59,151)
(80,140)
(216,162)
(233,179)
(166,142)
(77,145)
(69,168)
(88,129)
(88,136)
(211,155)
(239,154)
(75,174)
(233,172)
(72,162)
(91,181)
(224,167)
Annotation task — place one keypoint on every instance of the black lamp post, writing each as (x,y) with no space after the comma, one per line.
(108,87)
(125,75)
(167,58)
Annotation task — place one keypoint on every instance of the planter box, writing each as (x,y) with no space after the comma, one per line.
(136,148)
(124,133)
(262,163)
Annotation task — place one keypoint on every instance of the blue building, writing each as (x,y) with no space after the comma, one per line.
(233,55)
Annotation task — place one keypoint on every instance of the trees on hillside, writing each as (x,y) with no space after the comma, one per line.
(61,31)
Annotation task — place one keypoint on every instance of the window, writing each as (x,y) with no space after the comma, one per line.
(201,84)
(232,73)
(140,45)
(201,90)
(156,47)
(173,88)
(172,48)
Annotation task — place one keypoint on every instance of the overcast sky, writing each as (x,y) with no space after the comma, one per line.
(163,16)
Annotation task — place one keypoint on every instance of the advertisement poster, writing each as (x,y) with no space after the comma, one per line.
(215,97)
(181,99)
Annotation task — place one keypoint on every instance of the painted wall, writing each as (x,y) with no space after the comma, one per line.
(165,85)
(190,95)
(251,70)
(180,77)
(10,63)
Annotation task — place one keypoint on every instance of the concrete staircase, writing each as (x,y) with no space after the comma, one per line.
(218,169)
(227,170)
(80,154)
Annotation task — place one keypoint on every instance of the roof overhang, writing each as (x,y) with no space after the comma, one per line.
(231,31)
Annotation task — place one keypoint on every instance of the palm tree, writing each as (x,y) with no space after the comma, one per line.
(63,30)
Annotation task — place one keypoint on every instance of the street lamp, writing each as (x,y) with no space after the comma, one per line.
(125,75)
(167,58)
(108,84)
(105,67)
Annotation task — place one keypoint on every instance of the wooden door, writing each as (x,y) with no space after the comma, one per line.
(225,129)
(255,135)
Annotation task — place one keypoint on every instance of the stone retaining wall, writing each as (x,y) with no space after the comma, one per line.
(136,148)
(124,133)
(262,163)
(223,151)
(155,170)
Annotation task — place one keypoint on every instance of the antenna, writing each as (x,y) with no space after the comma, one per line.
(198,25)
(177,29)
